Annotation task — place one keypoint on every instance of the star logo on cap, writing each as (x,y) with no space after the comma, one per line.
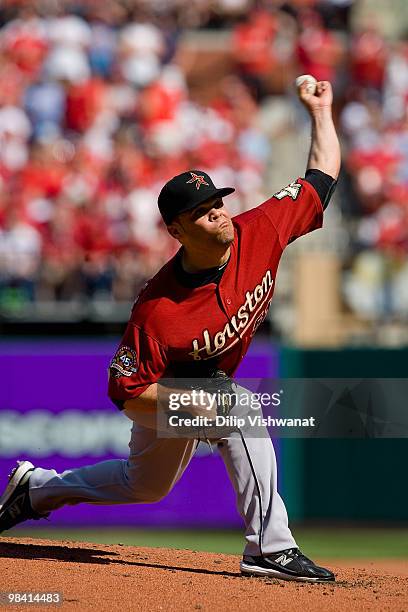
(198,179)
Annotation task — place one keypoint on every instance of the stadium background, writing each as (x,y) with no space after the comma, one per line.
(99,106)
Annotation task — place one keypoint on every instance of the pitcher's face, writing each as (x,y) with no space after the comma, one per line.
(208,224)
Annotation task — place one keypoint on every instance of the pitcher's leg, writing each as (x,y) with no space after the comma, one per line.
(278,556)
(153,467)
(276,533)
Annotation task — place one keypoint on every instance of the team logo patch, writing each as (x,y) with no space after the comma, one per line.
(124,362)
(198,179)
(291,190)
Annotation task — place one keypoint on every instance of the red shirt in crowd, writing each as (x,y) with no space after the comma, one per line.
(253,43)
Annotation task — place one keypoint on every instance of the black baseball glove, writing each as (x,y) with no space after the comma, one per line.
(217,384)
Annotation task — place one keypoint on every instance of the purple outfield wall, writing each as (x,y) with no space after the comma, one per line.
(54,411)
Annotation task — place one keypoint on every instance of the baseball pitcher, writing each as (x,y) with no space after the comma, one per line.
(197,317)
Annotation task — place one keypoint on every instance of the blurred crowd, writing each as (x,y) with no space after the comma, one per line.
(97,112)
(374,126)
(95,115)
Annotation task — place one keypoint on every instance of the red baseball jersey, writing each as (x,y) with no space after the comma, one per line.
(172,326)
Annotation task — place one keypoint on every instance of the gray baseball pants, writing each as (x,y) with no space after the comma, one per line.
(155,465)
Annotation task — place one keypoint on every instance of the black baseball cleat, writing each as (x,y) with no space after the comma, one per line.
(15,504)
(289,564)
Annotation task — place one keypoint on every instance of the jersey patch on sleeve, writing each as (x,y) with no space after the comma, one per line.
(124,362)
(291,190)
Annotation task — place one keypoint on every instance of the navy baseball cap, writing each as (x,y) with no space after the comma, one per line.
(187,191)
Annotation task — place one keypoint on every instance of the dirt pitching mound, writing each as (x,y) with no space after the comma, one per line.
(100,577)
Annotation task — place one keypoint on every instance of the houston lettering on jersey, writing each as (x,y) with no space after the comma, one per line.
(253,308)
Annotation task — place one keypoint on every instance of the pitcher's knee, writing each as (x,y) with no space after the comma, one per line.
(142,494)
(151,497)
(146,487)
(146,493)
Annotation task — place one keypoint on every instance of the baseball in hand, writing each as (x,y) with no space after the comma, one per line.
(310,80)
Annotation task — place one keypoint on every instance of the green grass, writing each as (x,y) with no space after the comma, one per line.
(336,543)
